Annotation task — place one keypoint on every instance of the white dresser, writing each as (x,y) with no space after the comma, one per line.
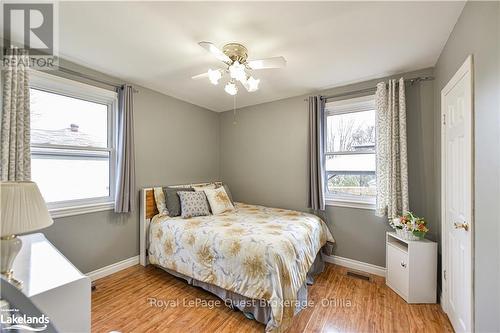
(412,268)
(53,284)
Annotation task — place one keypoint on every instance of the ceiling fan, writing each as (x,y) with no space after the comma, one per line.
(239,68)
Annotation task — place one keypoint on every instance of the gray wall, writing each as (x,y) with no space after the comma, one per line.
(264,161)
(175,142)
(477,33)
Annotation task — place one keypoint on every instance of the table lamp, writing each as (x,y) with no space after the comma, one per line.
(23,210)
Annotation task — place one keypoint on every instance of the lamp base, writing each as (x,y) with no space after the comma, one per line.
(9,248)
(13,281)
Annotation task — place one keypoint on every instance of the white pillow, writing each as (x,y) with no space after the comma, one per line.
(161,205)
(219,200)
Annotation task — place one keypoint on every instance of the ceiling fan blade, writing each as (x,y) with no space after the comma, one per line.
(274,62)
(215,51)
(200,76)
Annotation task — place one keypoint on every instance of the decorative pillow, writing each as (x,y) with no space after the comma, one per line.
(219,200)
(193,204)
(173,202)
(161,205)
(213,186)
(226,188)
(203,188)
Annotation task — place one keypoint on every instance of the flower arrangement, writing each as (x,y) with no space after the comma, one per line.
(409,226)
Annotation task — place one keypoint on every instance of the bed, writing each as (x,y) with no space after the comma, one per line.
(257,257)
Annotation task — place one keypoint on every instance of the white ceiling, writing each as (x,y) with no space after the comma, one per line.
(326,44)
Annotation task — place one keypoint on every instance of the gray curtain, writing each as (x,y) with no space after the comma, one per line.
(392,164)
(15,152)
(316,199)
(125,176)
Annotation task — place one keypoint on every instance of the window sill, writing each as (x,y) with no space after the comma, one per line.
(350,204)
(81,209)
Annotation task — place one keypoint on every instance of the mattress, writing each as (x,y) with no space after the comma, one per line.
(258,252)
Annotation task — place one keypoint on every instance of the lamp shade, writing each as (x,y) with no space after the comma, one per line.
(23,209)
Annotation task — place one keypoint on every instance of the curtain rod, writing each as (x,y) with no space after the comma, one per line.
(412,81)
(91,78)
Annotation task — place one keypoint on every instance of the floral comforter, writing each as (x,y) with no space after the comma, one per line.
(258,252)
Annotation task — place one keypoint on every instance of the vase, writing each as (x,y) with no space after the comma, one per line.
(408,235)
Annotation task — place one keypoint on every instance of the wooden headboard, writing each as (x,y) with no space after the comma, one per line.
(148,210)
(150,204)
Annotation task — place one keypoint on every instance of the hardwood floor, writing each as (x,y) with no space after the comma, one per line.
(121,303)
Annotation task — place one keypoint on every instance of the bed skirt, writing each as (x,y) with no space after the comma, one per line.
(254,309)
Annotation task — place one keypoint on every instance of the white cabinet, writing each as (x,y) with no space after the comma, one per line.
(53,284)
(412,268)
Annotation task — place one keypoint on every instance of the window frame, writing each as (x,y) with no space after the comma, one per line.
(74,89)
(340,107)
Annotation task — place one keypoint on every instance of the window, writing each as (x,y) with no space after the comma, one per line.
(72,144)
(350,152)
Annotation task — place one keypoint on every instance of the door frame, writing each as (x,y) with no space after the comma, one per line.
(467,67)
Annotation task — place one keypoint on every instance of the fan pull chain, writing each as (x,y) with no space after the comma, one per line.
(234,110)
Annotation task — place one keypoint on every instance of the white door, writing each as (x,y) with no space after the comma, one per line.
(457,197)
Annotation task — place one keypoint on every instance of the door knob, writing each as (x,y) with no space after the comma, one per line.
(463,225)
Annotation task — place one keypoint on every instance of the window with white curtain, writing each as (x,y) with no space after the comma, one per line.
(349,137)
(72,143)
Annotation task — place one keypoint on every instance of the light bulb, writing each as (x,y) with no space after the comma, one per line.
(253,84)
(231,88)
(214,76)
(237,71)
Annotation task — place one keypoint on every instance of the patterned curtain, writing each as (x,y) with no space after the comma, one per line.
(15,156)
(316,199)
(125,177)
(392,165)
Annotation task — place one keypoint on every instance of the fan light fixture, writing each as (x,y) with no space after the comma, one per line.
(253,84)
(214,76)
(231,88)
(234,56)
(237,71)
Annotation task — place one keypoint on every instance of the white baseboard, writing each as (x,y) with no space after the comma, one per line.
(341,261)
(113,268)
(357,265)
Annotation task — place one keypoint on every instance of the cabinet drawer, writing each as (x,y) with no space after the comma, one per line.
(397,270)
